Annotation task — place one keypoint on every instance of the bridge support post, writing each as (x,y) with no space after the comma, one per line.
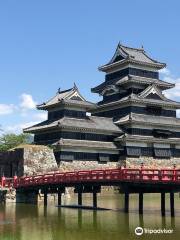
(45,199)
(172,203)
(95,190)
(3,196)
(163,204)
(126,202)
(140,203)
(95,199)
(79,198)
(59,198)
(60,190)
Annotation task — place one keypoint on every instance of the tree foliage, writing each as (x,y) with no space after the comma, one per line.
(8,141)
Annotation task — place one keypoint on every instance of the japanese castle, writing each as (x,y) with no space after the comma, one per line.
(133,120)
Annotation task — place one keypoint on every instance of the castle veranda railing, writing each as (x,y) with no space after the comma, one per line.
(99,176)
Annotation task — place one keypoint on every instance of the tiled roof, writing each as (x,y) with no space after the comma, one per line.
(136,55)
(100,87)
(140,138)
(154,90)
(70,96)
(136,98)
(86,144)
(42,126)
(150,120)
(145,81)
(91,123)
(133,79)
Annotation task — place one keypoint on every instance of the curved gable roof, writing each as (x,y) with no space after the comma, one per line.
(70,96)
(136,55)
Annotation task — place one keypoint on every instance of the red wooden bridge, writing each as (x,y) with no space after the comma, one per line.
(137,175)
(129,180)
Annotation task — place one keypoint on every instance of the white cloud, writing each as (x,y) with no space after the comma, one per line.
(23,113)
(18,128)
(40,116)
(6,109)
(35,118)
(165,71)
(27,101)
(178,113)
(173,93)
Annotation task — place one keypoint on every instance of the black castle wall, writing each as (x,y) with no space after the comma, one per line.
(120,112)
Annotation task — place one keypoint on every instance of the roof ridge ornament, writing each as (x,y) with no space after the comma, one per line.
(124,54)
(75,86)
(59,90)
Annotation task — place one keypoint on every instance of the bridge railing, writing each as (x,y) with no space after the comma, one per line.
(6,182)
(119,174)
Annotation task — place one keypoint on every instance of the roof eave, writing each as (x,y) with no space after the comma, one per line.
(145,81)
(61,126)
(138,101)
(94,90)
(32,130)
(87,106)
(98,146)
(41,107)
(106,67)
(145,139)
(163,85)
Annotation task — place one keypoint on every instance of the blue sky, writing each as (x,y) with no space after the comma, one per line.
(47,44)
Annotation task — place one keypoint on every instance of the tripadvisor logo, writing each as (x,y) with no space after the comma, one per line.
(139,231)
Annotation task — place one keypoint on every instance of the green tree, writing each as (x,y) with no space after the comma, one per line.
(8,141)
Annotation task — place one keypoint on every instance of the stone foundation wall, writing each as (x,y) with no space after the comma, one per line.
(27,160)
(38,159)
(151,162)
(35,159)
(85,165)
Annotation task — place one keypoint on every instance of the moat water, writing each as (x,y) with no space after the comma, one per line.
(30,222)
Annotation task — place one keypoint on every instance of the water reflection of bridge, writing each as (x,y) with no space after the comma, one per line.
(129,181)
(36,222)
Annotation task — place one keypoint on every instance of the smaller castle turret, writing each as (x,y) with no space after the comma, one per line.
(72,132)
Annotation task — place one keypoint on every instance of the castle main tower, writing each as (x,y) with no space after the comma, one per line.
(133,96)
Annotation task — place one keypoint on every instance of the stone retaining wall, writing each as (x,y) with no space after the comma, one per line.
(27,160)
(38,159)
(85,165)
(151,162)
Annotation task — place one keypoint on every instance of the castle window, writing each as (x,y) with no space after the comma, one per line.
(103,157)
(67,157)
(143,73)
(162,152)
(134,151)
